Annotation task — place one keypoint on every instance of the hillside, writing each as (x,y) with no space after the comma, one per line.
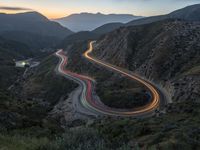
(10,50)
(29,124)
(24,117)
(34,41)
(88,21)
(166,52)
(43,84)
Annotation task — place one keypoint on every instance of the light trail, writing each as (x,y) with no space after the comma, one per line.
(155,96)
(86,97)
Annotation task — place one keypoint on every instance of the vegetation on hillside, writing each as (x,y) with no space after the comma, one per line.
(166,51)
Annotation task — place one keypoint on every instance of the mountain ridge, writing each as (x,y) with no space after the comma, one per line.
(31,15)
(90,21)
(189,13)
(32,22)
(34,26)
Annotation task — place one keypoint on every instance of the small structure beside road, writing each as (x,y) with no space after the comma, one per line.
(26,63)
(22,64)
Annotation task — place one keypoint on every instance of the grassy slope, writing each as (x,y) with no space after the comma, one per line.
(175,130)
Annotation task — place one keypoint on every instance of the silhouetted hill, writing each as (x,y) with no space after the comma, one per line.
(78,37)
(33,29)
(189,13)
(89,35)
(107,28)
(32,22)
(88,21)
(22,17)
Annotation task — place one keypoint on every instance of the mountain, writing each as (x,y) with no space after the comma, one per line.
(32,22)
(107,28)
(32,28)
(189,13)
(89,21)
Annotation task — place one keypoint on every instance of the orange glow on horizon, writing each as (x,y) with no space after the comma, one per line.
(52,15)
(48,14)
(55,13)
(56,9)
(12,11)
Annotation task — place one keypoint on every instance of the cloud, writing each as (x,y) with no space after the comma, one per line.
(14,8)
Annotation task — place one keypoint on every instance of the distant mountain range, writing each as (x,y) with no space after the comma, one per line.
(89,21)
(32,28)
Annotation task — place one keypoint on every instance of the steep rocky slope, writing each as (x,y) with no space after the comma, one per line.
(166,52)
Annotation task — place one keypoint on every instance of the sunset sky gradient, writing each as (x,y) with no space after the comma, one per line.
(60,8)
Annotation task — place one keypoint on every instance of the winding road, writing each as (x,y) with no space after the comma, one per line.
(87,96)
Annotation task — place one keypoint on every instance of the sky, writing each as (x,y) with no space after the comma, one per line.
(60,8)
